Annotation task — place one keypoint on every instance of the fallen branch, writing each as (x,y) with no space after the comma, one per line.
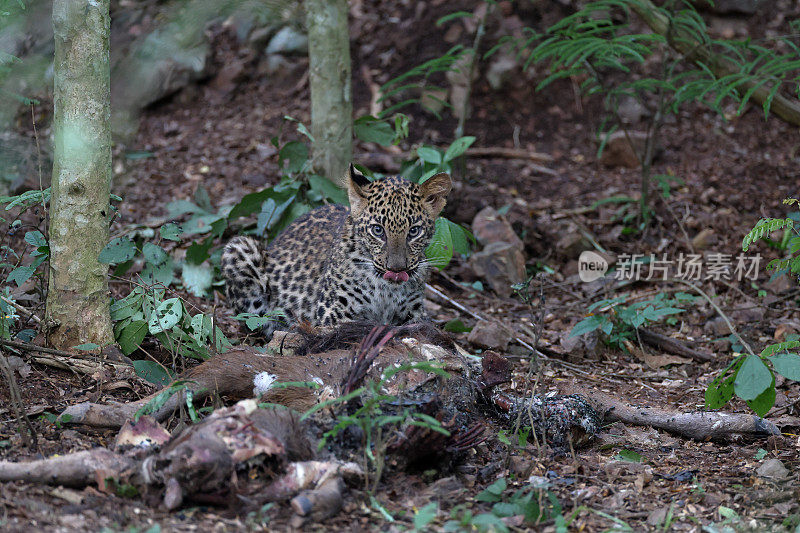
(698,425)
(508,153)
(74,362)
(673,346)
(74,470)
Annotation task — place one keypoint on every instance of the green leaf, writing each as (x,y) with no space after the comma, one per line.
(271,213)
(119,250)
(296,153)
(202,200)
(138,154)
(198,251)
(458,147)
(158,264)
(430,155)
(197,278)
(493,493)
(752,379)
(440,251)
(764,402)
(764,227)
(453,16)
(456,326)
(426,515)
(132,336)
(489,522)
(35,238)
(87,347)
(779,347)
(327,189)
(166,316)
(171,231)
(720,390)
(21,274)
(160,399)
(249,204)
(787,365)
(588,324)
(629,456)
(178,208)
(370,129)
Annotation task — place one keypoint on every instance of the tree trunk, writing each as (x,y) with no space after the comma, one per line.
(329,78)
(78,299)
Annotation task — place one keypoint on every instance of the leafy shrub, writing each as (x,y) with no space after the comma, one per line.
(751,377)
(619,322)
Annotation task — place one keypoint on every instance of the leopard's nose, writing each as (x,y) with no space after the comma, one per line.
(396,263)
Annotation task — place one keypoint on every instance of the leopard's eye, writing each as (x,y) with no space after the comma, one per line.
(376,230)
(414,231)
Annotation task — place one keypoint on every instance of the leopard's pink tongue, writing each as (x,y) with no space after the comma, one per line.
(397,277)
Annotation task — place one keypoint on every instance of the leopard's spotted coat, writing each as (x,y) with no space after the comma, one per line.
(330,266)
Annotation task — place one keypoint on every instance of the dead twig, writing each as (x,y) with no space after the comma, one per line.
(673,346)
(18,406)
(508,153)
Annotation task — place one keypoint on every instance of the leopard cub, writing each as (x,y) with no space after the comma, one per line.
(336,264)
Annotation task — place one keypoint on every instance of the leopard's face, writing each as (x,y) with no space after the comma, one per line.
(394,223)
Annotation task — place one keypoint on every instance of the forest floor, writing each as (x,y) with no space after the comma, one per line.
(216,134)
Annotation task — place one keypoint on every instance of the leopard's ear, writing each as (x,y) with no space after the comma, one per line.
(356,181)
(434,193)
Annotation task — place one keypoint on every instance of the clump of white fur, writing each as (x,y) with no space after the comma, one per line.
(262,382)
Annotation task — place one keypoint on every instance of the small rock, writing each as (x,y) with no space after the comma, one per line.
(717,327)
(704,239)
(433,100)
(747,313)
(772,469)
(288,41)
(70,434)
(721,346)
(619,152)
(780,284)
(657,517)
(502,69)
(519,466)
(501,264)
(580,347)
(489,226)
(17,363)
(782,330)
(572,242)
(489,335)
(630,110)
